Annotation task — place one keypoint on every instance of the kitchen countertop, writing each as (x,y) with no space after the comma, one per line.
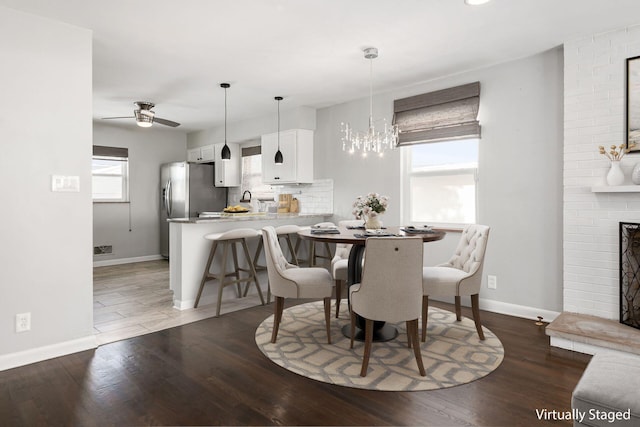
(250,216)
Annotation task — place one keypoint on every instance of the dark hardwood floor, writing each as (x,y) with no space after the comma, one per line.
(211,373)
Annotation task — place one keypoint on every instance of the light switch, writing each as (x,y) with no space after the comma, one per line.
(65,183)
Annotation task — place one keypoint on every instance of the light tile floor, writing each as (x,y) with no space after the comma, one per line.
(134,299)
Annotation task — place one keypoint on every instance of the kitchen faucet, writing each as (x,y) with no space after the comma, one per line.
(243,200)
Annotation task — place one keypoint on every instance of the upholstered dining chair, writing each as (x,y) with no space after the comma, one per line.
(290,281)
(340,261)
(460,276)
(389,290)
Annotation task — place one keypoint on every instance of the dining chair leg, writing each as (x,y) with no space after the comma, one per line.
(368,338)
(327,317)
(353,327)
(475,309)
(458,309)
(425,316)
(252,270)
(222,276)
(338,296)
(277,317)
(408,336)
(206,273)
(412,325)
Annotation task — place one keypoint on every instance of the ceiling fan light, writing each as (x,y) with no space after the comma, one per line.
(143,121)
(226,152)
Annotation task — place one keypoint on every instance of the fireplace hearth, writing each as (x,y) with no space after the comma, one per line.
(630,274)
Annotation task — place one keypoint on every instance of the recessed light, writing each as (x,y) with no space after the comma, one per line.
(476,2)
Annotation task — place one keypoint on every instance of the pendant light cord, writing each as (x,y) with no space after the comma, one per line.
(278,125)
(370,92)
(225,115)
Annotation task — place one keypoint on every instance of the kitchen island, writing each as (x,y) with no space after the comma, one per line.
(189,249)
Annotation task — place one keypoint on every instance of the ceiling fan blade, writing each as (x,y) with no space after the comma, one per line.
(165,122)
(127,117)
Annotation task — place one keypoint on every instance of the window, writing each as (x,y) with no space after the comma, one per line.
(110,174)
(440,132)
(440,183)
(252,174)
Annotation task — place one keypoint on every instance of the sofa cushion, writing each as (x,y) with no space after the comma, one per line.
(609,391)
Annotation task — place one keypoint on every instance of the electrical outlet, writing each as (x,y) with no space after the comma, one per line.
(492,282)
(23,322)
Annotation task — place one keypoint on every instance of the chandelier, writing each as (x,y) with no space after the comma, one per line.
(372,140)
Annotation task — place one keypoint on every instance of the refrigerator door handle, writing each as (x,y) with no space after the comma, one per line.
(168,198)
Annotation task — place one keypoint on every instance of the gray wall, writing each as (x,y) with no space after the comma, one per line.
(148,149)
(45,130)
(520,174)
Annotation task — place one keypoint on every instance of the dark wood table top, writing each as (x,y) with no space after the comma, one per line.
(347,235)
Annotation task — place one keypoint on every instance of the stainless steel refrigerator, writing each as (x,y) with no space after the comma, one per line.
(186,191)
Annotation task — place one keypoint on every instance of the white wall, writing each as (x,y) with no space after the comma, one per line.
(520,175)
(594,115)
(148,149)
(45,130)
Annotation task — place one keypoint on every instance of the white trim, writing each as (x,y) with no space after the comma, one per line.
(26,357)
(118,261)
(500,307)
(518,310)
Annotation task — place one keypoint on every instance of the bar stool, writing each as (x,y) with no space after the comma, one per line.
(229,239)
(313,255)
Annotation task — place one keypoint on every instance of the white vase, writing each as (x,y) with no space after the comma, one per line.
(635,175)
(372,223)
(615,176)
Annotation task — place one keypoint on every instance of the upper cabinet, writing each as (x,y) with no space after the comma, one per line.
(227,172)
(204,154)
(296,146)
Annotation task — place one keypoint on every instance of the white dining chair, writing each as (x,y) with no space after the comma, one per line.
(460,276)
(290,281)
(389,290)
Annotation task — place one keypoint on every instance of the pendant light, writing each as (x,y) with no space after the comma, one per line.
(226,152)
(279,159)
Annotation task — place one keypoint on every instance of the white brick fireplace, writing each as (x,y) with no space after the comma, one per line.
(594,102)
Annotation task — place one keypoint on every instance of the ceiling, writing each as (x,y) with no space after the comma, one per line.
(176,53)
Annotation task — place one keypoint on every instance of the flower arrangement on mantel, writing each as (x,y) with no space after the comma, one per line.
(369,207)
(615,152)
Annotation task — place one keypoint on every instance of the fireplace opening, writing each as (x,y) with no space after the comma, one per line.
(630,274)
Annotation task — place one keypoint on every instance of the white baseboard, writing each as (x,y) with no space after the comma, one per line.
(118,261)
(518,310)
(26,357)
(508,309)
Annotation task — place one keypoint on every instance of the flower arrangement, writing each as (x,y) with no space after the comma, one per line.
(370,206)
(615,153)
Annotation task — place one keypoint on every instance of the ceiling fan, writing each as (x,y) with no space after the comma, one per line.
(145,117)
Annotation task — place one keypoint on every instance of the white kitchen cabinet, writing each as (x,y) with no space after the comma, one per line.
(204,154)
(296,146)
(227,172)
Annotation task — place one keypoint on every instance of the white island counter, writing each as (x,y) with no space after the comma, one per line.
(188,249)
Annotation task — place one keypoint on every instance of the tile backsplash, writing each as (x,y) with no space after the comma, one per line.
(313,198)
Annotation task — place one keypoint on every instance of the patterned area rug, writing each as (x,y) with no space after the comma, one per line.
(452,354)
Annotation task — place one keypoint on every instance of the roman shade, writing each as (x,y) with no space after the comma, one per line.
(251,151)
(99,150)
(438,116)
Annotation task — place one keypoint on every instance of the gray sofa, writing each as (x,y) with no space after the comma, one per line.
(608,394)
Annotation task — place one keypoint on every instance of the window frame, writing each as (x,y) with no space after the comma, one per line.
(124,175)
(405,189)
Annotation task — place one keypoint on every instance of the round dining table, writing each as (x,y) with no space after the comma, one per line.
(357,237)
